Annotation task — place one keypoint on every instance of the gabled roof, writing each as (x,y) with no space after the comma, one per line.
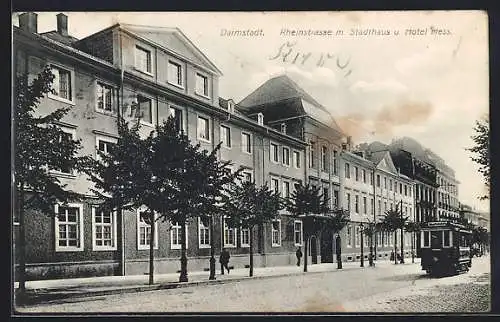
(383,161)
(278,88)
(170,38)
(377,156)
(283,88)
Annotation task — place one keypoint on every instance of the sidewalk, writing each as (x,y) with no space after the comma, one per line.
(44,291)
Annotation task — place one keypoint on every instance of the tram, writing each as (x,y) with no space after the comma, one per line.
(445,248)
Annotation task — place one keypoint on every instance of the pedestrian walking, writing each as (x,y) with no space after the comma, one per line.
(224,260)
(298,253)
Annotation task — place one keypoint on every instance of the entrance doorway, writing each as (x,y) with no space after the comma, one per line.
(326,247)
(314,251)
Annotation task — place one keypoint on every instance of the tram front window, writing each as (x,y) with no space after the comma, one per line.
(463,241)
(436,239)
(446,238)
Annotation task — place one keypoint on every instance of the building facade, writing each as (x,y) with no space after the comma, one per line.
(371,185)
(283,105)
(151,73)
(278,134)
(447,193)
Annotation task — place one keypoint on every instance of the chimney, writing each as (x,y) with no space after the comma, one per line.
(260,119)
(28,22)
(62,24)
(283,128)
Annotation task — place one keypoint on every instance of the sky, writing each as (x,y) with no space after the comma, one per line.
(422,74)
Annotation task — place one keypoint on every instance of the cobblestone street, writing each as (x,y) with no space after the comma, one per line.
(385,288)
(471,296)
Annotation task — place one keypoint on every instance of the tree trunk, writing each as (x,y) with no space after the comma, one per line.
(151,248)
(402,246)
(212,250)
(250,235)
(395,246)
(22,245)
(306,241)
(183,277)
(412,250)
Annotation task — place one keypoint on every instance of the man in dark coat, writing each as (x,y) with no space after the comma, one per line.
(298,253)
(224,260)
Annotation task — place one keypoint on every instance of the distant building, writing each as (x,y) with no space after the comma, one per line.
(283,105)
(370,186)
(436,189)
(476,218)
(448,208)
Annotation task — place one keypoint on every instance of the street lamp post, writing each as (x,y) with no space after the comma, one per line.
(362,255)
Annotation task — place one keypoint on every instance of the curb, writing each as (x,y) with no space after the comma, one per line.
(61,297)
(53,298)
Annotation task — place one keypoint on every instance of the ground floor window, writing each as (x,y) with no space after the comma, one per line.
(176,236)
(229,235)
(298,232)
(245,237)
(203,233)
(69,227)
(144,231)
(276,233)
(104,229)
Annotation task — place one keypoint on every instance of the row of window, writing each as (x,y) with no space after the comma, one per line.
(364,208)
(231,233)
(285,155)
(362,176)
(175,71)
(448,187)
(384,238)
(286,186)
(436,239)
(447,214)
(447,199)
(424,193)
(69,231)
(106,101)
(323,159)
(361,205)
